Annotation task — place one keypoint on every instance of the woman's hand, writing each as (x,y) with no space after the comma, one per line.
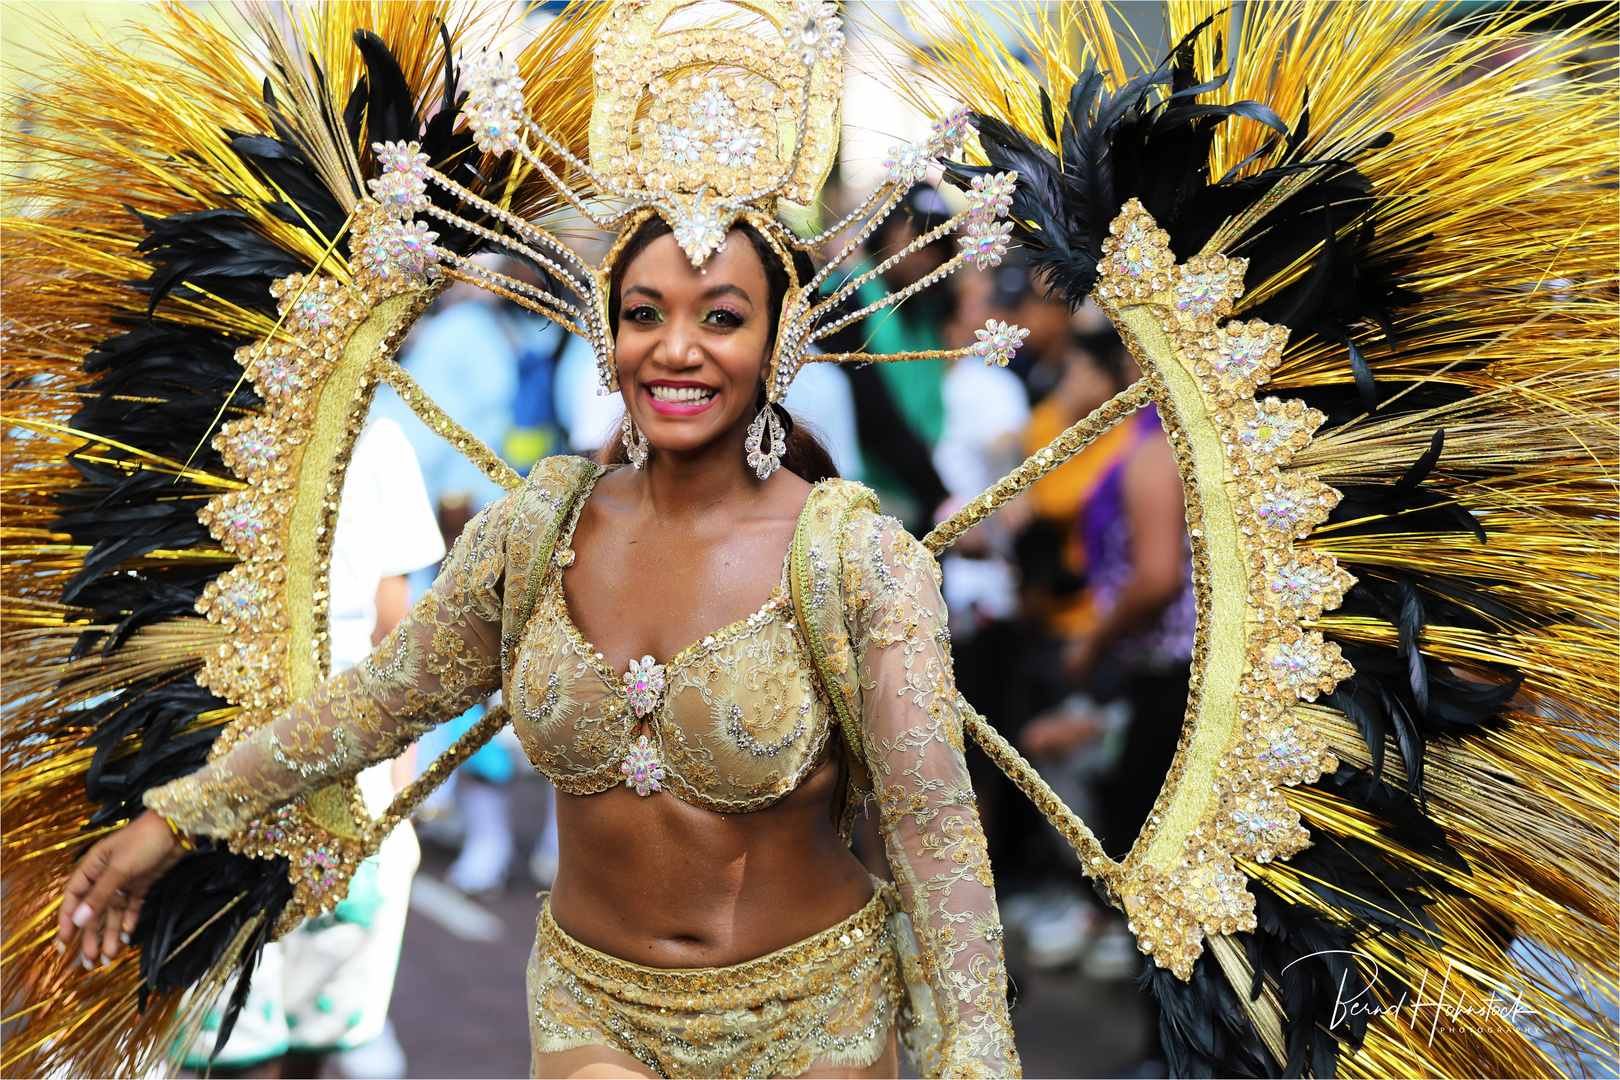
(104,895)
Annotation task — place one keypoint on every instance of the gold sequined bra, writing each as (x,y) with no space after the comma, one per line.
(733,722)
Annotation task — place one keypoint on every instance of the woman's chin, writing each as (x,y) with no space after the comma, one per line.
(683,440)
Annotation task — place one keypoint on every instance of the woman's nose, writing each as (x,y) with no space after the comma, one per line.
(681,348)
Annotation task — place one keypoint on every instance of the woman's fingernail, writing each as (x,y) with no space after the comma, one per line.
(123,937)
(105,959)
(82,914)
(61,947)
(84,962)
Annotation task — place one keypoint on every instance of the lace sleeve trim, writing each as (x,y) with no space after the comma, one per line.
(913,730)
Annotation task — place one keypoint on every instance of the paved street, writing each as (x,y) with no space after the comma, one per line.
(459,1001)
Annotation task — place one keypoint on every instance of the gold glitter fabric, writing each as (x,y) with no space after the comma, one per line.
(741,723)
(827,1002)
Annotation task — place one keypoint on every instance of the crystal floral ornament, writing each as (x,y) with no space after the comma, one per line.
(713,111)
(679,145)
(309,304)
(400,187)
(738,148)
(1269,432)
(252,448)
(1292,505)
(248,670)
(1300,662)
(1136,260)
(985,242)
(246,597)
(998,341)
(277,372)
(1205,287)
(1303,586)
(401,156)
(642,768)
(495,105)
(400,250)
(907,163)
(991,196)
(814,31)
(643,685)
(248,523)
(950,133)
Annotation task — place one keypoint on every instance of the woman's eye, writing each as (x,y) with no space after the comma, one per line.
(723,317)
(643,314)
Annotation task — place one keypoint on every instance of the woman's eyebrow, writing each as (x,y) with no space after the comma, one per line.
(718,290)
(654,293)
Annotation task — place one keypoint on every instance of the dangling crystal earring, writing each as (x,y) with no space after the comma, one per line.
(635,443)
(766,459)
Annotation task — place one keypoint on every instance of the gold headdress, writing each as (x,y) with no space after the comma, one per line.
(704,126)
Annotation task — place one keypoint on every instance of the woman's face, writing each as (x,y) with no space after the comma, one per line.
(690,349)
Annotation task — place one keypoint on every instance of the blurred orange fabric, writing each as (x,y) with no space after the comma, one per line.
(1060,495)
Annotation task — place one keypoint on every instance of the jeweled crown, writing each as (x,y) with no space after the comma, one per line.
(704,126)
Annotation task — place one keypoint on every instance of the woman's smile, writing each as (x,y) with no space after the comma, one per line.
(680,398)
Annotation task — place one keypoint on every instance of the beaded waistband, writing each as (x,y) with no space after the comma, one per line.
(862,933)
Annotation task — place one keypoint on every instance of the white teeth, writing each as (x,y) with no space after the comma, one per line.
(681,394)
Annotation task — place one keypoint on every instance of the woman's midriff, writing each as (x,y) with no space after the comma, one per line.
(660,882)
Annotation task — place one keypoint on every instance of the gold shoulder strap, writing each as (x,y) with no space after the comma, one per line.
(816,576)
(573,476)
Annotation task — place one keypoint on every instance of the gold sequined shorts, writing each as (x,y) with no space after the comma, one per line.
(826,1002)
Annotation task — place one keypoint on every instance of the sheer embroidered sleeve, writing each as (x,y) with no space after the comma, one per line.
(912,729)
(442,658)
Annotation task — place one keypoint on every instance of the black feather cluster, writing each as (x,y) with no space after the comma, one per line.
(1151,140)
(161,386)
(1311,960)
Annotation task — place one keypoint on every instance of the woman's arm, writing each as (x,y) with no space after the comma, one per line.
(444,656)
(441,658)
(912,728)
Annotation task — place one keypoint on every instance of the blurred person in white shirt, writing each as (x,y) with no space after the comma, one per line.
(322,992)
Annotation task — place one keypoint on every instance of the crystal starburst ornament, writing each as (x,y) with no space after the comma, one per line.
(814,30)
(643,685)
(642,768)
(998,341)
(985,242)
(495,103)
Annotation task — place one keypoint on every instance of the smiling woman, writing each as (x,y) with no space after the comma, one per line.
(720,650)
(801,453)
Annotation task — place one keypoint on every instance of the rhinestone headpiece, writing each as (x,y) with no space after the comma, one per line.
(704,126)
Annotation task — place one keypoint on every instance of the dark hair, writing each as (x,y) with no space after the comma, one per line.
(1106,350)
(804,454)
